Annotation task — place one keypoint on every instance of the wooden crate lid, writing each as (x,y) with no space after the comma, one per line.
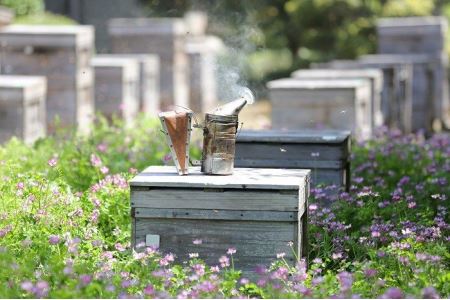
(78,36)
(128,66)
(147,26)
(306,136)
(299,83)
(411,25)
(396,59)
(30,86)
(242,178)
(338,73)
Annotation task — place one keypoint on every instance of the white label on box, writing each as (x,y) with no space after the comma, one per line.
(152,240)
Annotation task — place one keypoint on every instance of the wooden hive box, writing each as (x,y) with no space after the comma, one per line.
(421,35)
(257,211)
(410,35)
(417,111)
(325,152)
(149,66)
(164,37)
(62,54)
(202,55)
(22,107)
(342,104)
(116,86)
(375,76)
(397,88)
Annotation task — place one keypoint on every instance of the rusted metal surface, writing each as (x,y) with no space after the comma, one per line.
(219,139)
(177,129)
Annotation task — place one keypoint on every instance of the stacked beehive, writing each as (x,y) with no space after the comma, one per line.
(375,76)
(149,66)
(164,37)
(328,104)
(426,36)
(62,54)
(116,86)
(202,53)
(22,107)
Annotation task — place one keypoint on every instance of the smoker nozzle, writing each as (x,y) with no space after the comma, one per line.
(230,109)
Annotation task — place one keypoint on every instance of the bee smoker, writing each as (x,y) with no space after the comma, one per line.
(219,138)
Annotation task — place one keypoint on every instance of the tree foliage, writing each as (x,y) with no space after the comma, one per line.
(298,31)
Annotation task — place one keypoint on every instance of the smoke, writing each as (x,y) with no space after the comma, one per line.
(238,32)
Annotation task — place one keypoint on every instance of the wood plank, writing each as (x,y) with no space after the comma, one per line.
(294,136)
(214,214)
(256,242)
(290,151)
(226,200)
(242,178)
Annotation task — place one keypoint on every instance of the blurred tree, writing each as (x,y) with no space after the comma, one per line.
(298,31)
(24,7)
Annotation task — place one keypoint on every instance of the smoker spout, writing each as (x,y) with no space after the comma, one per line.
(230,109)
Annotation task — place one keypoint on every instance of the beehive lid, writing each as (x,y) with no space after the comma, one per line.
(47,35)
(242,178)
(336,73)
(143,26)
(299,83)
(307,136)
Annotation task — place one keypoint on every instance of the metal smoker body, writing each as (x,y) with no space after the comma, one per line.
(219,138)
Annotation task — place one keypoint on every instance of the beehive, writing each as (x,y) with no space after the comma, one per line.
(62,54)
(22,107)
(149,101)
(257,211)
(375,76)
(116,86)
(164,37)
(326,104)
(325,152)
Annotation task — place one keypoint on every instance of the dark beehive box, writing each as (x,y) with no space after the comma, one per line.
(325,152)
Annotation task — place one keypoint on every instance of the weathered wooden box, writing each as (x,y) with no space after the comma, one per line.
(116,86)
(416,109)
(62,54)
(202,56)
(397,88)
(325,152)
(375,76)
(257,211)
(411,35)
(164,37)
(421,35)
(342,104)
(148,81)
(22,107)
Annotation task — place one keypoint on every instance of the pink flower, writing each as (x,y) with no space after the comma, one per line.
(132,170)
(224,261)
(231,251)
(102,147)
(104,170)
(20,186)
(53,239)
(281,255)
(197,242)
(95,161)
(52,162)
(119,247)
(411,204)
(149,290)
(215,269)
